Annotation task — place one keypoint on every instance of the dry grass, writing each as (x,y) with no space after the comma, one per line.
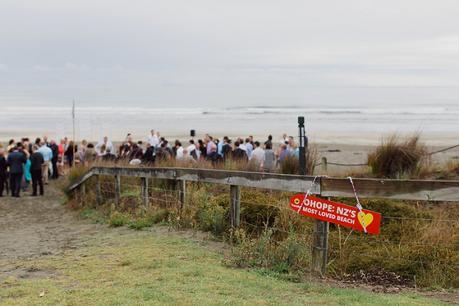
(396,158)
(418,242)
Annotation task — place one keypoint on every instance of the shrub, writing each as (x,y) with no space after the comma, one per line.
(141,223)
(290,255)
(213,214)
(118,219)
(290,165)
(395,158)
(159,215)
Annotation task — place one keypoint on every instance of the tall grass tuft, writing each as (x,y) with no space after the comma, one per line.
(396,158)
(291,164)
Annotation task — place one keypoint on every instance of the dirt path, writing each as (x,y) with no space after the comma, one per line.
(36,226)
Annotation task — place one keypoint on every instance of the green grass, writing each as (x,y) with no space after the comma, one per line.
(121,267)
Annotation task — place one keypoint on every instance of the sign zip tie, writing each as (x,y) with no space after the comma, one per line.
(359,206)
(308,193)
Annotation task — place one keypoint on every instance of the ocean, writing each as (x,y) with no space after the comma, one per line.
(438,125)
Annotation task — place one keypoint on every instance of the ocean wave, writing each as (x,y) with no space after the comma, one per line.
(259,110)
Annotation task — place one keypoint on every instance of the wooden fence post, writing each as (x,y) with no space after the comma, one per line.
(98,191)
(235,208)
(117,189)
(324,164)
(145,193)
(82,193)
(320,247)
(182,192)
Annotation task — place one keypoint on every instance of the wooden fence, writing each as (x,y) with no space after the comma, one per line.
(421,190)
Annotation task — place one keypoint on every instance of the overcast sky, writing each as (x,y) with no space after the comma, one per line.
(225,53)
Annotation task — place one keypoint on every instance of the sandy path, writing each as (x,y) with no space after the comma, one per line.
(37,226)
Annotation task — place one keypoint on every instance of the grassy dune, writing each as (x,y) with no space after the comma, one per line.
(121,267)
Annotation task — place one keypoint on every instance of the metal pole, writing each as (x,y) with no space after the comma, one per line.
(302,153)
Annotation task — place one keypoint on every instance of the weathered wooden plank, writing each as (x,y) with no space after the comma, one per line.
(295,183)
(83,179)
(99,199)
(432,190)
(418,190)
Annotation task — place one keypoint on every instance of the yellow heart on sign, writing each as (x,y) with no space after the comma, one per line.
(365,218)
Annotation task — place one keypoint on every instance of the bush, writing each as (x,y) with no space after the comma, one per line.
(290,165)
(395,158)
(118,219)
(290,255)
(415,243)
(213,214)
(141,223)
(159,215)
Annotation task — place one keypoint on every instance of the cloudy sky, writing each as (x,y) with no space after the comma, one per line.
(226,53)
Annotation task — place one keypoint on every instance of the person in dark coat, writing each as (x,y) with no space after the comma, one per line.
(3,171)
(16,160)
(149,155)
(70,152)
(226,148)
(108,156)
(36,163)
(239,154)
(55,149)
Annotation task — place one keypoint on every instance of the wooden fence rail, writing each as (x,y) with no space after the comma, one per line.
(418,190)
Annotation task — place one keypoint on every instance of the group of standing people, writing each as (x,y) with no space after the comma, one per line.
(24,162)
(260,156)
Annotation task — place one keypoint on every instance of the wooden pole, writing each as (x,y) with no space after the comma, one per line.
(144,191)
(320,247)
(98,191)
(324,164)
(182,192)
(82,194)
(235,208)
(117,190)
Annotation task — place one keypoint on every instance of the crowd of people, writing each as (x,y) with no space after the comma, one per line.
(23,162)
(263,156)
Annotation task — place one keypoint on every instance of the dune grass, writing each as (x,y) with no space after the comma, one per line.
(396,158)
(125,267)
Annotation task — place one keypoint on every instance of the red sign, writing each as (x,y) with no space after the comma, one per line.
(338,213)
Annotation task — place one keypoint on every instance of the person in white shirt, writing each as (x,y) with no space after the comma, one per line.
(178,150)
(284,139)
(153,139)
(258,155)
(108,146)
(192,150)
